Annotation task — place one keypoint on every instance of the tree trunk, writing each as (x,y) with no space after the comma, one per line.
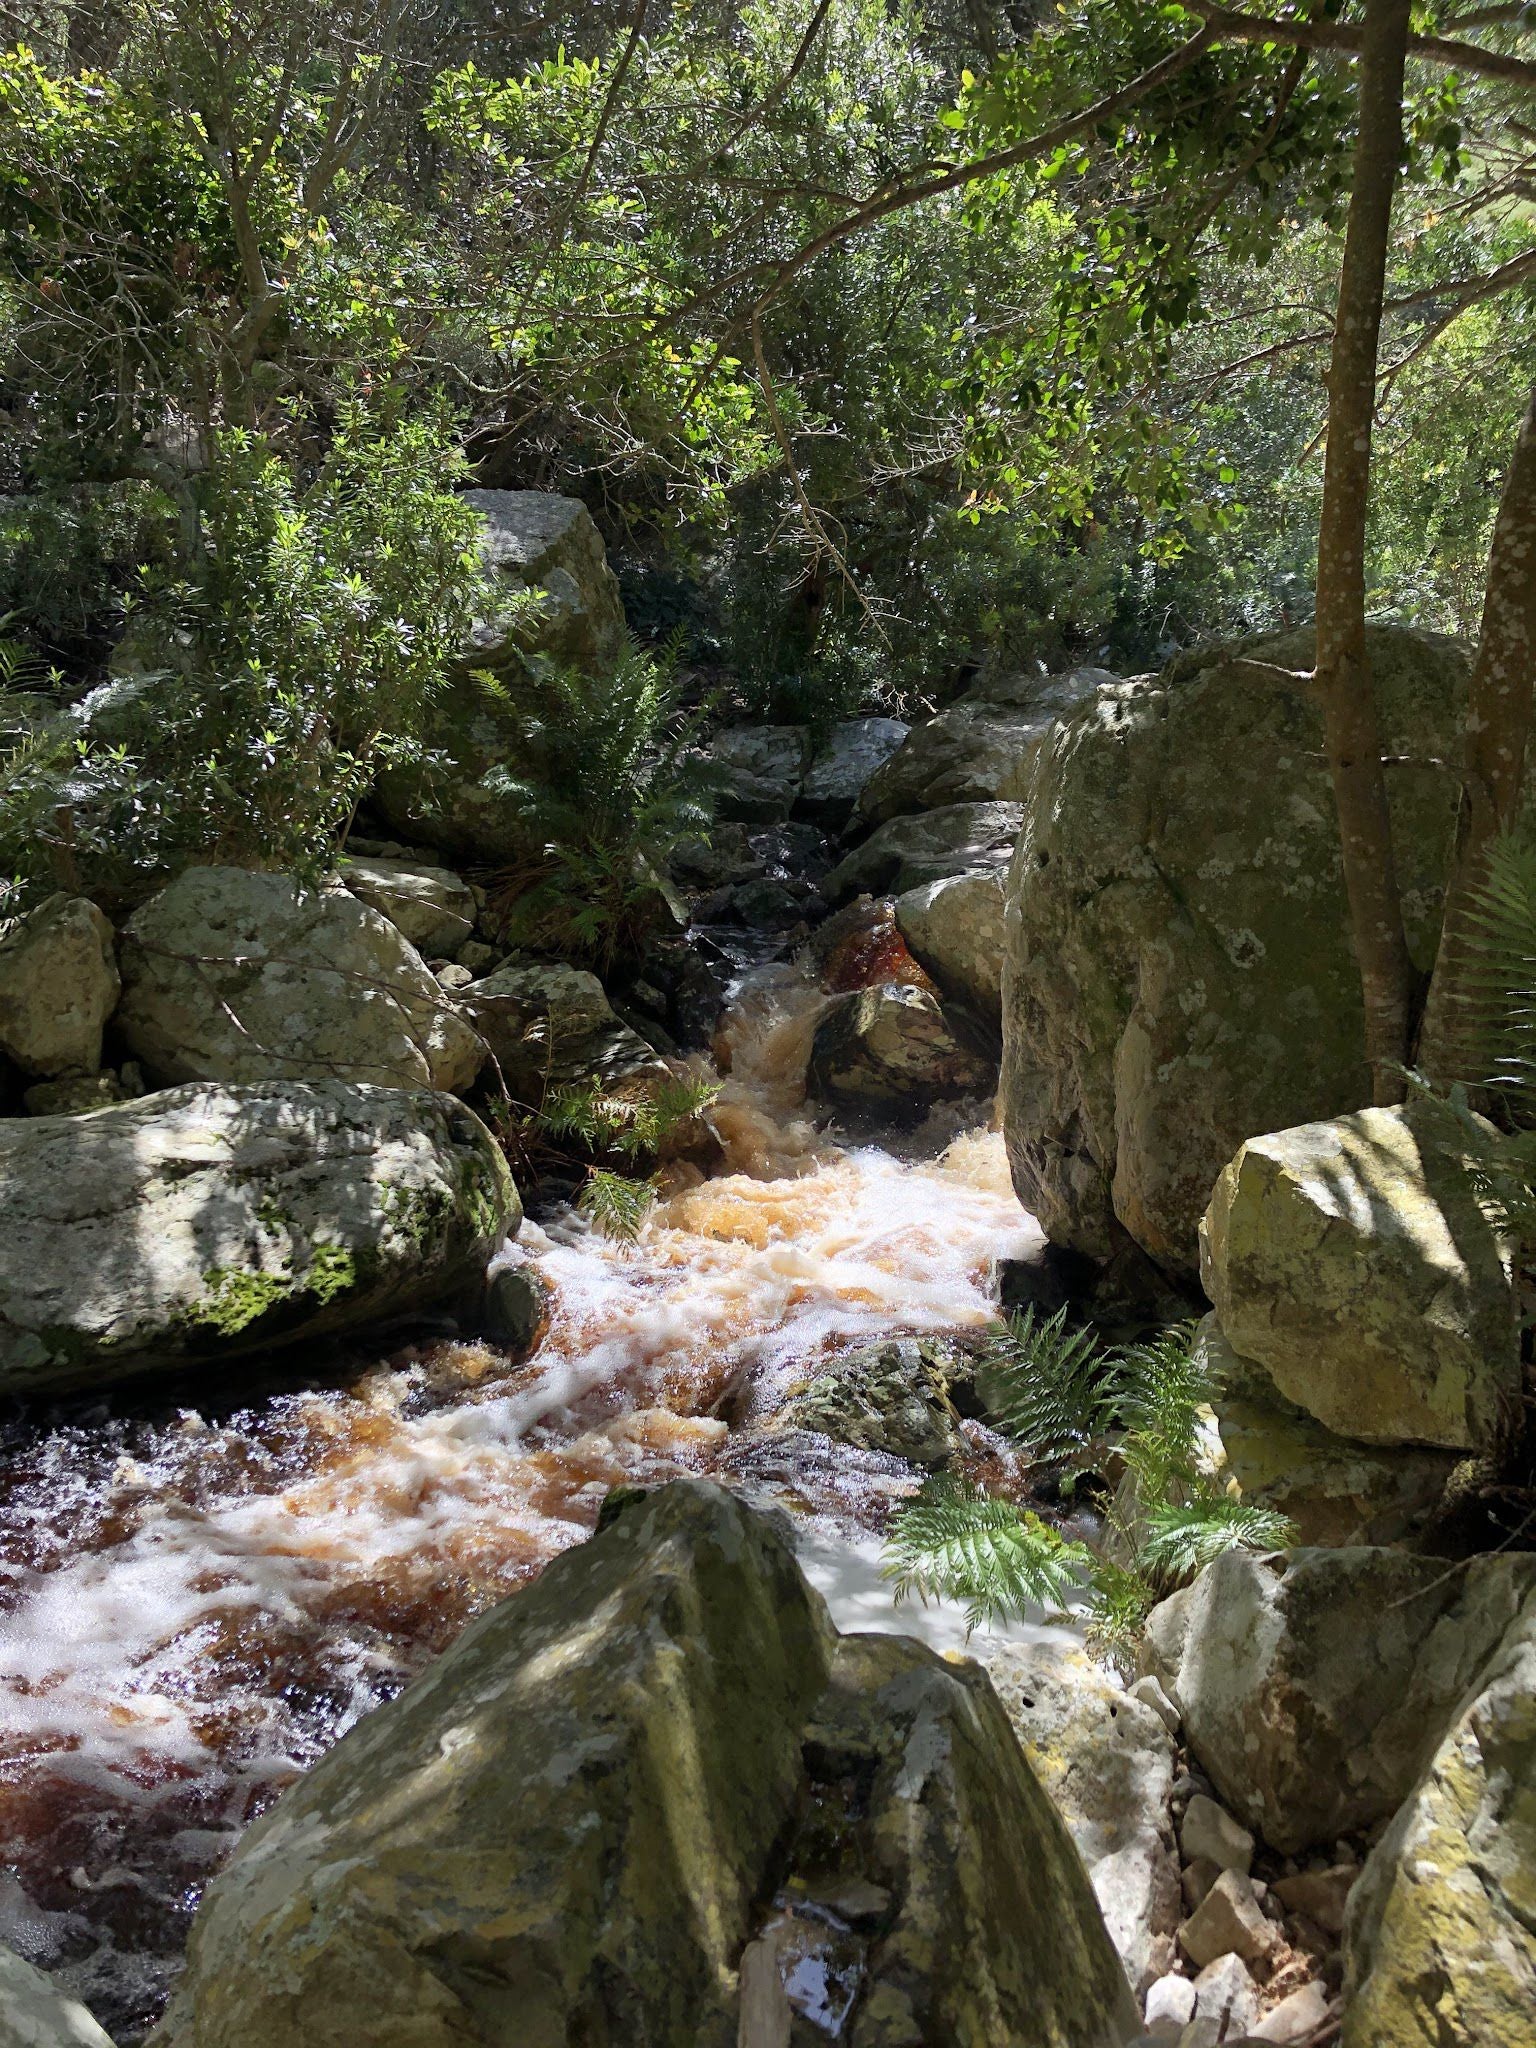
(1499,712)
(1344,684)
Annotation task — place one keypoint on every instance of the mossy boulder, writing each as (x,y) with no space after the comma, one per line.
(1441,1930)
(955,928)
(1180,973)
(1354,1261)
(891,1397)
(550,1026)
(207,1222)
(889,1053)
(230,975)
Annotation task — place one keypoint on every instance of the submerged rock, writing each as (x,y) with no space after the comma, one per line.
(210,1221)
(58,987)
(1180,970)
(890,1052)
(909,852)
(1441,1941)
(1314,1686)
(35,2013)
(566,1830)
(1354,1263)
(234,976)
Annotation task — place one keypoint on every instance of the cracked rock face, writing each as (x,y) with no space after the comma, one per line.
(206,1222)
(1179,971)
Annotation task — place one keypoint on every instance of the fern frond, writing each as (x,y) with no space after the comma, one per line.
(1183,1539)
(1497,992)
(1160,1388)
(1047,1387)
(617,1206)
(953,1541)
(1121,1599)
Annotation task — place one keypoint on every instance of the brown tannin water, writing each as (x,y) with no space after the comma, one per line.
(195,1601)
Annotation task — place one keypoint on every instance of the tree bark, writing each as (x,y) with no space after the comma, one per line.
(1344,685)
(1500,701)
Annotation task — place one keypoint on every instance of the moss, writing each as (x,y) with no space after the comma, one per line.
(333,1270)
(233,1299)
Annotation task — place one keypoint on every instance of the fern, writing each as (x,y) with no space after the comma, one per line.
(1049,1389)
(1182,1538)
(615,1205)
(953,1541)
(1160,1388)
(1121,1598)
(1497,979)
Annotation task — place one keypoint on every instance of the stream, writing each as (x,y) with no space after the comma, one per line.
(200,1590)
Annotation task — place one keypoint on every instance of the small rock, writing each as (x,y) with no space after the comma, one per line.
(1228,1921)
(1295,2018)
(37,2013)
(517,1309)
(1209,1832)
(1197,1879)
(1150,1692)
(478,957)
(1170,2007)
(1226,2005)
(452,976)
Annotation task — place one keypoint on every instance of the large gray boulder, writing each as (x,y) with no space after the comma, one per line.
(58,987)
(550,1027)
(569,1828)
(955,928)
(980,749)
(234,976)
(1180,972)
(1441,1932)
(430,906)
(844,762)
(1314,1686)
(759,769)
(563,604)
(889,1052)
(35,2013)
(209,1221)
(907,852)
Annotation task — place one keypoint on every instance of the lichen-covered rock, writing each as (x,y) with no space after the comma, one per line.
(1106,1761)
(1314,1685)
(550,1026)
(540,547)
(955,928)
(844,762)
(891,1397)
(890,1051)
(1353,1262)
(209,1221)
(234,976)
(1179,969)
(908,852)
(432,907)
(1441,1931)
(760,769)
(1333,1490)
(980,749)
(35,2013)
(58,987)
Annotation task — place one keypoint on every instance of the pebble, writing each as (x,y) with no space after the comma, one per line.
(1208,1831)
(1226,2005)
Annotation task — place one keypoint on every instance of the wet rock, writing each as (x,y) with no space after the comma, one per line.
(235,976)
(1313,1685)
(761,768)
(1441,1942)
(1229,1921)
(210,1221)
(35,2013)
(980,749)
(844,762)
(955,928)
(550,1026)
(431,906)
(1353,1261)
(909,852)
(886,1397)
(1226,2004)
(1106,1761)
(58,987)
(1180,970)
(890,1052)
(518,1307)
(550,1836)
(1209,1831)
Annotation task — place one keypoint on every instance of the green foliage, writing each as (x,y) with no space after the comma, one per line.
(1497,993)
(617,1205)
(609,780)
(630,1129)
(953,1541)
(1050,1389)
(1184,1536)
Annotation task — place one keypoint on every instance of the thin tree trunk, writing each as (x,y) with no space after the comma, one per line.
(1499,715)
(1344,684)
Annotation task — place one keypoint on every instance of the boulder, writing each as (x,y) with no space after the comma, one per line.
(843,764)
(1353,1262)
(234,976)
(1180,973)
(955,928)
(35,2013)
(550,1026)
(1441,1929)
(891,1397)
(911,851)
(431,907)
(1107,1763)
(545,550)
(760,769)
(551,1836)
(209,1221)
(58,987)
(1314,1685)
(981,749)
(889,1052)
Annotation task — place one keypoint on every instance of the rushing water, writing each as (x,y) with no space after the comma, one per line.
(196,1599)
